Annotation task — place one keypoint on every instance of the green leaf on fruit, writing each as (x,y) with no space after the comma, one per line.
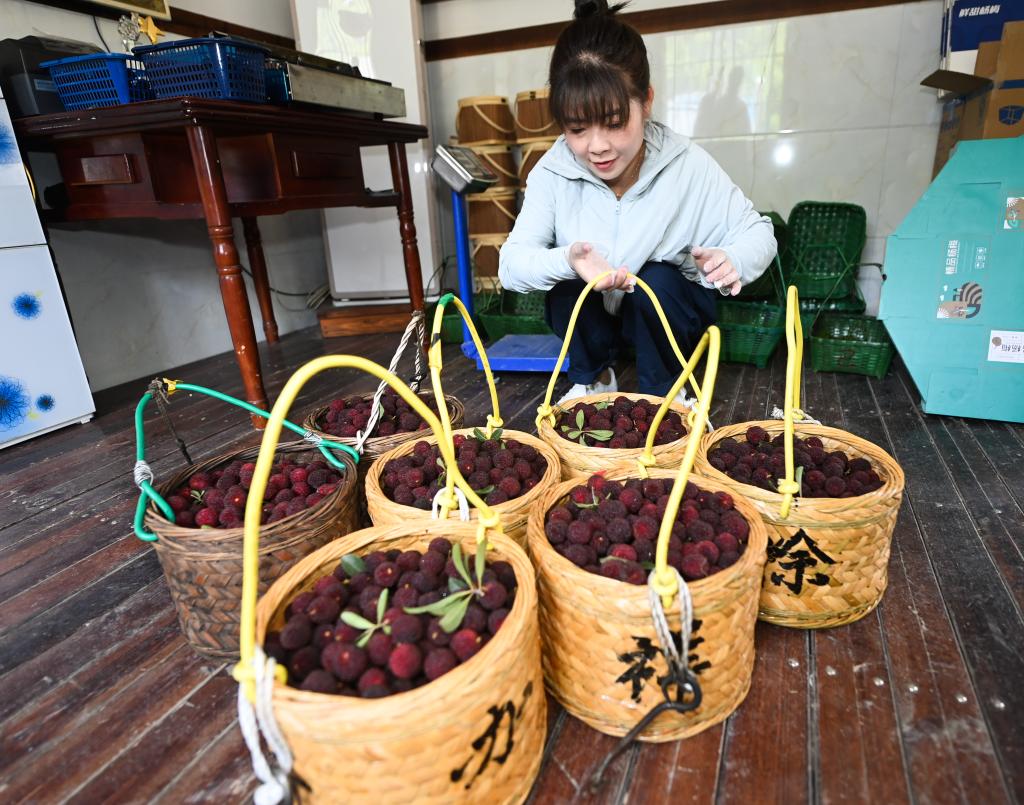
(602,405)
(352,564)
(565,429)
(479,564)
(583,441)
(601,435)
(575,434)
(197,494)
(605,559)
(382,604)
(439,462)
(437,609)
(356,621)
(452,619)
(800,479)
(485,491)
(497,434)
(479,435)
(456,586)
(647,565)
(579,420)
(460,564)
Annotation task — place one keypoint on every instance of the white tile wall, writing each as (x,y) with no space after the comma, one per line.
(821,107)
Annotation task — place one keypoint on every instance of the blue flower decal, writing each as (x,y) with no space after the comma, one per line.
(14,403)
(27,305)
(45,402)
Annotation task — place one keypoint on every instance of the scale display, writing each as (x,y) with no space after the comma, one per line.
(462,170)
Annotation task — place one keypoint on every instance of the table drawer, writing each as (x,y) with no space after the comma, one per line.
(317,166)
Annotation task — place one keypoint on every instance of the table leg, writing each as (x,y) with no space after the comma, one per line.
(410,251)
(206,162)
(254,245)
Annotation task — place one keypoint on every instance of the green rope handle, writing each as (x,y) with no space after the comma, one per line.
(142,477)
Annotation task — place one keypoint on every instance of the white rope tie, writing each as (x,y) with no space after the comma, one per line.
(142,472)
(415,325)
(779,413)
(435,506)
(668,646)
(274,781)
(313,438)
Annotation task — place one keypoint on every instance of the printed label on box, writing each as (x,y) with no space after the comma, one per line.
(1006,346)
(1014,212)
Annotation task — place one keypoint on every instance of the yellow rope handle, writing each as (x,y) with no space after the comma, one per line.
(665,582)
(788,486)
(448,501)
(646,459)
(544,410)
(488,519)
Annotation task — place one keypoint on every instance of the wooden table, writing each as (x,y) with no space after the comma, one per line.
(191,158)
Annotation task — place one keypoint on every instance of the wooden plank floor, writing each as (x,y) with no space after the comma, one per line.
(921,701)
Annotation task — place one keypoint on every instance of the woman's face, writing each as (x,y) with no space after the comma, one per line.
(608,149)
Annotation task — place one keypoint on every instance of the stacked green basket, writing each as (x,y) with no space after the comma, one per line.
(752,328)
(513,313)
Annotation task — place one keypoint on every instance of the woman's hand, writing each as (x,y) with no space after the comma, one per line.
(589,263)
(716,267)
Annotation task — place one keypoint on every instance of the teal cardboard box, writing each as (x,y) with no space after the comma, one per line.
(953,300)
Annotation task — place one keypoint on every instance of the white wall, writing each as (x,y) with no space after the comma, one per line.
(827,107)
(143,294)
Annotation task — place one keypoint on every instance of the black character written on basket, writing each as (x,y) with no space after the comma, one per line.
(799,560)
(639,661)
(504,718)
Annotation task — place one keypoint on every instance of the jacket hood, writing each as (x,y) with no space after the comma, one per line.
(663,145)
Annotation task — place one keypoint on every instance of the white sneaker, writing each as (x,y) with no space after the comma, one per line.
(597,387)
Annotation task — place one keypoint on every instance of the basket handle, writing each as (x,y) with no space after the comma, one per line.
(665,581)
(788,486)
(435,361)
(244,672)
(694,418)
(490,122)
(490,160)
(544,410)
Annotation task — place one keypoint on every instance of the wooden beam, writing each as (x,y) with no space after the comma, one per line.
(673,18)
(182,22)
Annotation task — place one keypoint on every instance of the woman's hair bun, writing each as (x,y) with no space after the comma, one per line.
(593,8)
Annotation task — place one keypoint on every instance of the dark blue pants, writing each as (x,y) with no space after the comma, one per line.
(599,336)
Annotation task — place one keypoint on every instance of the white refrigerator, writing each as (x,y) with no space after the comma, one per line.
(42,382)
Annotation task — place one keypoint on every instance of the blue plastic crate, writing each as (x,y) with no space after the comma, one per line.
(277,83)
(98,79)
(207,67)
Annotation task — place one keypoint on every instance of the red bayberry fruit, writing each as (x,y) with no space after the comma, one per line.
(438,662)
(344,660)
(465,643)
(405,661)
(296,632)
(207,517)
(695,566)
(406,629)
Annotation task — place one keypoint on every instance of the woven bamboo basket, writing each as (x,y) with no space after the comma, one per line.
(203,566)
(502,161)
(492,212)
(530,156)
(854,534)
(589,623)
(514,513)
(582,461)
(533,115)
(376,446)
(484,120)
(419,746)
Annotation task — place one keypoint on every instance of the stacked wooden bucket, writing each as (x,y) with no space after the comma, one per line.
(488,125)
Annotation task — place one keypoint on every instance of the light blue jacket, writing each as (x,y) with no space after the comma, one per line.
(682,198)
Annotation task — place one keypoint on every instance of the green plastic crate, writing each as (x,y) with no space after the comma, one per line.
(811,309)
(853,344)
(515,314)
(451,322)
(825,243)
(750,331)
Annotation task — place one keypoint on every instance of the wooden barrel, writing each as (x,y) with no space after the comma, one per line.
(533,117)
(531,154)
(501,160)
(484,120)
(485,254)
(492,212)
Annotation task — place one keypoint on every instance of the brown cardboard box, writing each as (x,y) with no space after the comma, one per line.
(987,105)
